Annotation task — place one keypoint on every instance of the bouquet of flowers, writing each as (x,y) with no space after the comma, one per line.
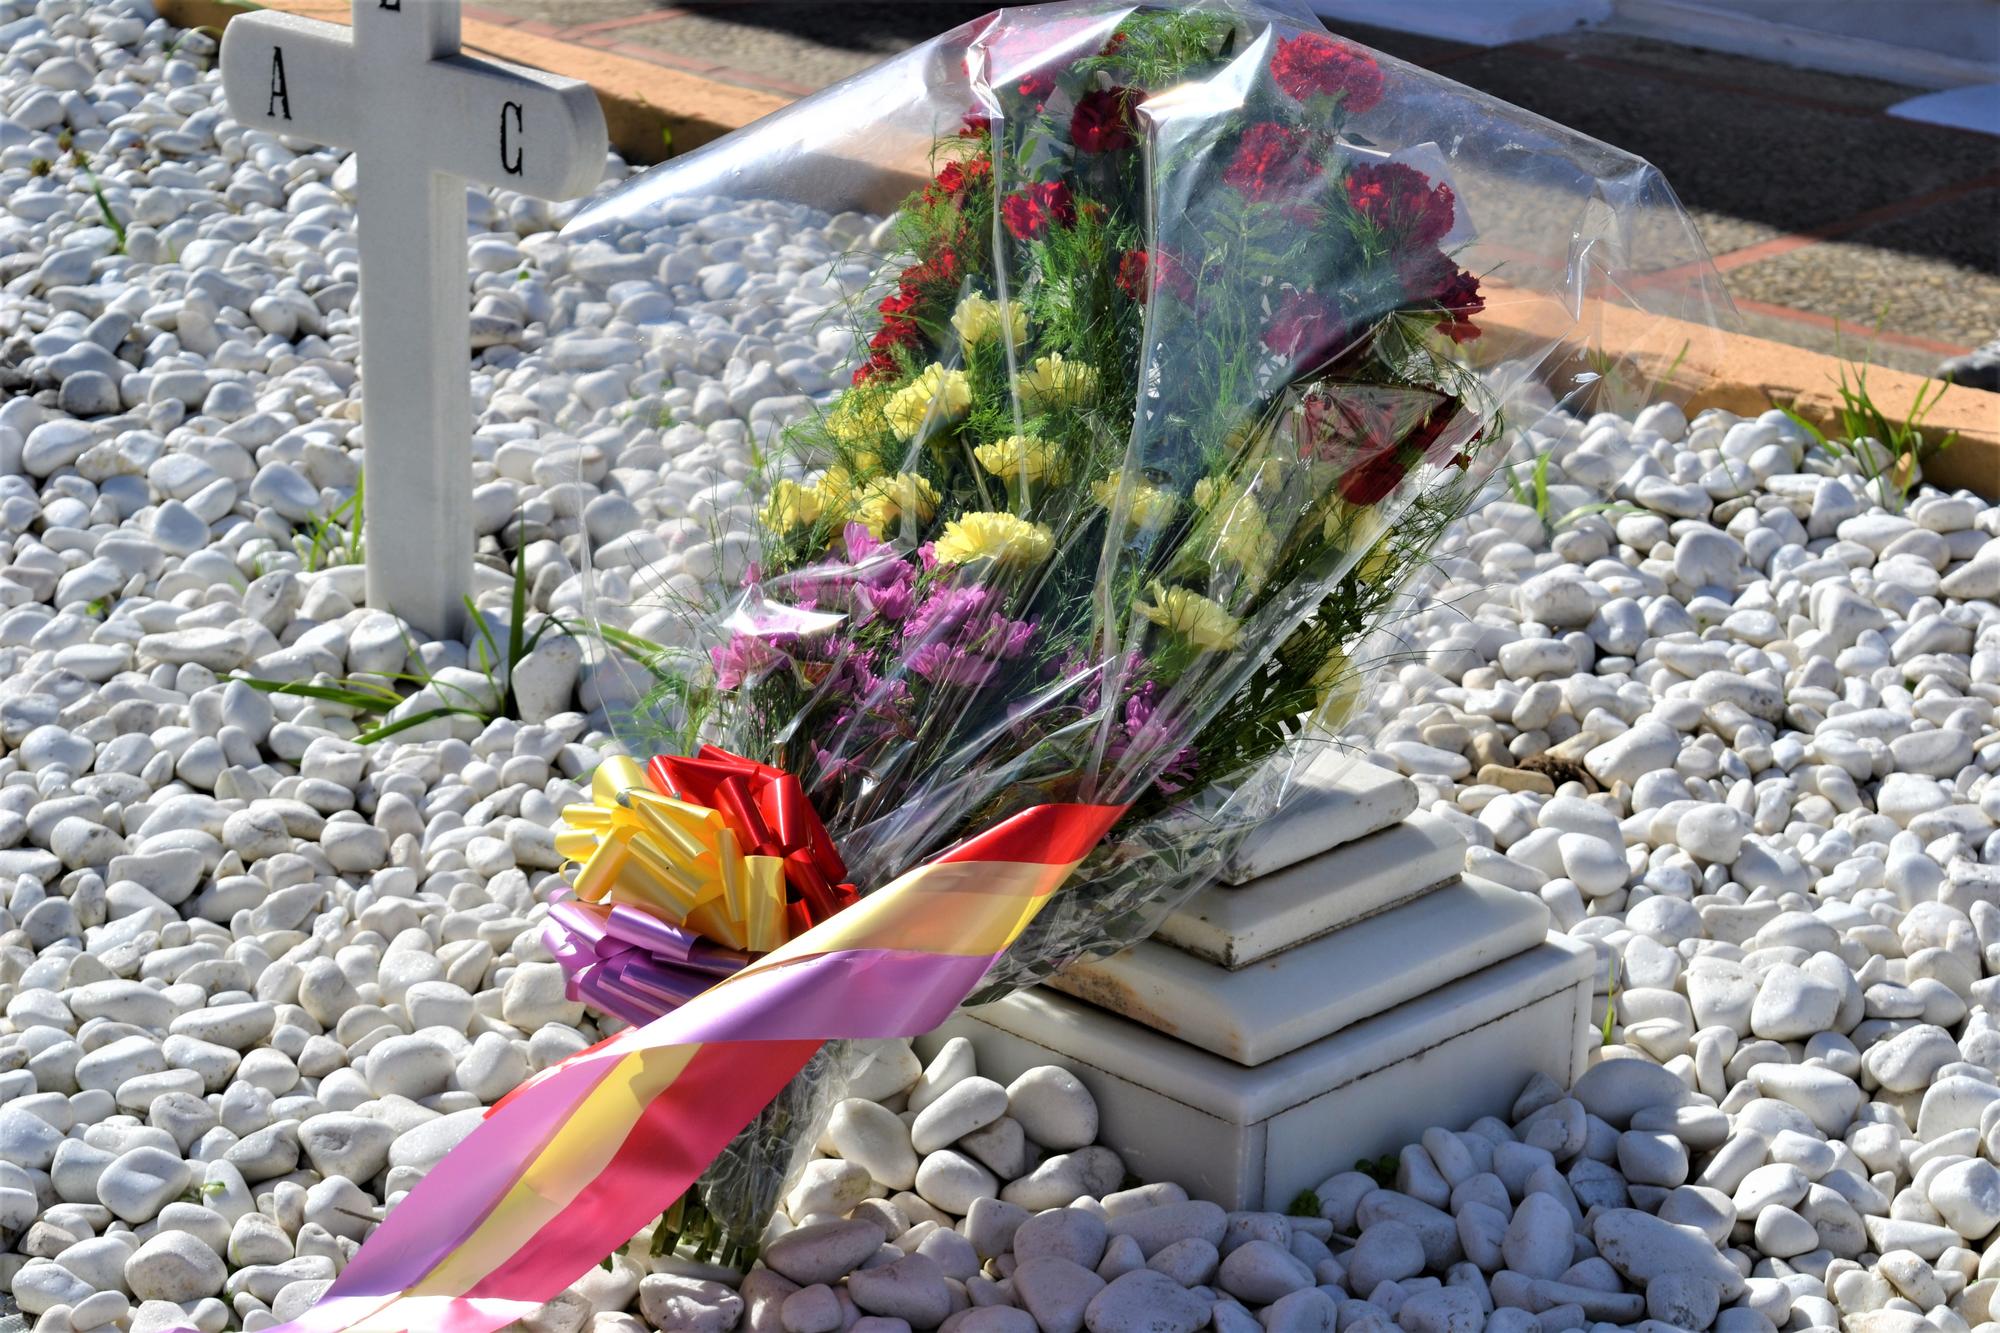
(1159,401)
(1162,391)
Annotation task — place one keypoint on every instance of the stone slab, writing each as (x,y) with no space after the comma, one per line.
(1930,44)
(1475,22)
(1974,108)
(1254,1138)
(1333,800)
(1273,1007)
(1237,925)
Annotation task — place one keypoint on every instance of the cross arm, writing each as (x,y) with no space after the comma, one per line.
(517,128)
(292,75)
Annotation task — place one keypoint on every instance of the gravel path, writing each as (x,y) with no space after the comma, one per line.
(257,978)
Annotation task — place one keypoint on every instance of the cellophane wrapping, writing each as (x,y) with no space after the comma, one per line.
(1167,333)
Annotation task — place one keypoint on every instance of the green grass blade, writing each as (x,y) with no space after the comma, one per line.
(414,720)
(517,617)
(352,696)
(1813,432)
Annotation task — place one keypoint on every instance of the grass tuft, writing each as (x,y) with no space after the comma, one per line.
(370,699)
(1886,451)
(103,204)
(335,534)
(1382,1170)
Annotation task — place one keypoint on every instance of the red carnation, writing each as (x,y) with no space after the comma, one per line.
(1373,479)
(1431,277)
(1351,425)
(1314,66)
(937,275)
(975,124)
(1270,163)
(880,365)
(898,325)
(1424,274)
(1029,213)
(1461,300)
(1142,272)
(1307,329)
(1437,438)
(896,331)
(1132,274)
(1036,86)
(1102,122)
(1401,201)
(956,179)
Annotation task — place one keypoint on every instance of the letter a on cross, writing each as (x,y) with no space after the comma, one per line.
(424,119)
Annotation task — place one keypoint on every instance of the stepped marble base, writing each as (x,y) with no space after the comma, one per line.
(1256,1137)
(1235,925)
(1258,1013)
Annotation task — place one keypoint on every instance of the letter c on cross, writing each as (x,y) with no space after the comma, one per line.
(510,130)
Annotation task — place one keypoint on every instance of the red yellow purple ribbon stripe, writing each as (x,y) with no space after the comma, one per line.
(576,1160)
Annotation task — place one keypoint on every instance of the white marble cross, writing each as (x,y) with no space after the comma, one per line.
(424,120)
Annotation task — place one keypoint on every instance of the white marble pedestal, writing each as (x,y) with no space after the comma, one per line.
(1348,996)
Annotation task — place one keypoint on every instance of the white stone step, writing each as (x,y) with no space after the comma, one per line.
(1236,925)
(1254,1138)
(1334,799)
(1263,1011)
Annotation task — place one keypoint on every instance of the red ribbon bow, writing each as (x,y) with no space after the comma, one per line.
(768,811)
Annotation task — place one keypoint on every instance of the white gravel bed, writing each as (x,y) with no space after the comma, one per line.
(1738,732)
(257,978)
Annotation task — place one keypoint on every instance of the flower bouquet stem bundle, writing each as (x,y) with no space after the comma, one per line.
(1162,398)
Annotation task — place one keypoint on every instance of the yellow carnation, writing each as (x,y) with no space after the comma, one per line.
(1192,618)
(856,417)
(1028,458)
(835,490)
(1338,686)
(1150,506)
(1264,478)
(1054,382)
(791,506)
(1351,525)
(937,393)
(1244,539)
(977,320)
(1001,538)
(888,499)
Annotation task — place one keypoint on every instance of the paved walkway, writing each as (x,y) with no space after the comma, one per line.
(1828,218)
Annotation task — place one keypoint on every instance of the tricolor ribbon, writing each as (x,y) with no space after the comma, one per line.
(578,1159)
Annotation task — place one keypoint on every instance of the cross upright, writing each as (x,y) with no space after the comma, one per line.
(424,119)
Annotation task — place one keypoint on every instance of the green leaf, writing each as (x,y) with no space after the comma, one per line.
(1610,1007)
(1812,431)
(352,696)
(517,621)
(402,724)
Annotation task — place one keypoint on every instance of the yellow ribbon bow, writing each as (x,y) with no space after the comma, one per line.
(680,861)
